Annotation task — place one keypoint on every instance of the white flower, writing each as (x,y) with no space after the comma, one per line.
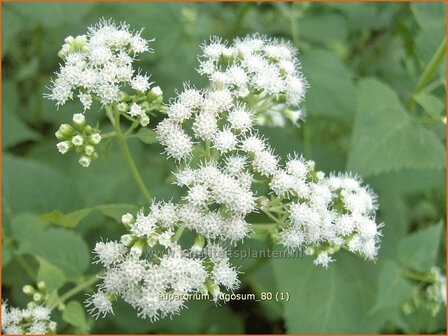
(225,275)
(265,162)
(85,161)
(197,195)
(323,259)
(136,110)
(225,140)
(140,83)
(240,119)
(109,253)
(99,64)
(95,138)
(100,304)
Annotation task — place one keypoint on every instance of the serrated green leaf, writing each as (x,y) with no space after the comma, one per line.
(72,219)
(53,277)
(64,249)
(146,135)
(331,91)
(385,138)
(393,289)
(74,314)
(419,250)
(333,300)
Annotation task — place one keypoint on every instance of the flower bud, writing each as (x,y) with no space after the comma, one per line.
(198,244)
(37,297)
(78,140)
(85,161)
(138,247)
(89,150)
(64,132)
(127,239)
(156,92)
(144,120)
(95,138)
(64,146)
(79,119)
(28,290)
(127,219)
(123,107)
(52,326)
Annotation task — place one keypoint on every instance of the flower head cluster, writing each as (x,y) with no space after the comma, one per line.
(98,64)
(265,70)
(325,213)
(80,137)
(149,270)
(34,320)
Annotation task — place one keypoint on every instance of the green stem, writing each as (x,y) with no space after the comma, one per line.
(75,290)
(427,74)
(128,157)
(178,233)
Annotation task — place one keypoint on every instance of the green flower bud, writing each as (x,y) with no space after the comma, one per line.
(144,120)
(28,289)
(78,140)
(123,107)
(89,150)
(79,119)
(64,132)
(85,161)
(127,219)
(64,146)
(95,138)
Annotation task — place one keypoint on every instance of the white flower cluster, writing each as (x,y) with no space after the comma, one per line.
(98,64)
(263,71)
(156,284)
(30,321)
(325,213)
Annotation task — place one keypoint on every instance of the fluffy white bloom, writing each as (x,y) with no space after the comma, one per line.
(265,162)
(225,275)
(136,110)
(99,304)
(99,64)
(109,253)
(323,259)
(31,321)
(225,140)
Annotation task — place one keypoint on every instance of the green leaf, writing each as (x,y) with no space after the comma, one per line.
(393,289)
(331,91)
(26,228)
(333,300)
(74,314)
(146,135)
(64,249)
(72,219)
(323,28)
(53,277)
(429,14)
(30,186)
(384,137)
(418,251)
(6,256)
(16,131)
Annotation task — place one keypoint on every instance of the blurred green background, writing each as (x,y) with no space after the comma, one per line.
(362,60)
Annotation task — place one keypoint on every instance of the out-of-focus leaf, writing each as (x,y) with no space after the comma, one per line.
(74,314)
(429,14)
(16,131)
(6,256)
(64,249)
(385,138)
(35,187)
(331,91)
(55,13)
(333,300)
(393,289)
(325,28)
(53,277)
(419,250)
(146,135)
(72,219)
